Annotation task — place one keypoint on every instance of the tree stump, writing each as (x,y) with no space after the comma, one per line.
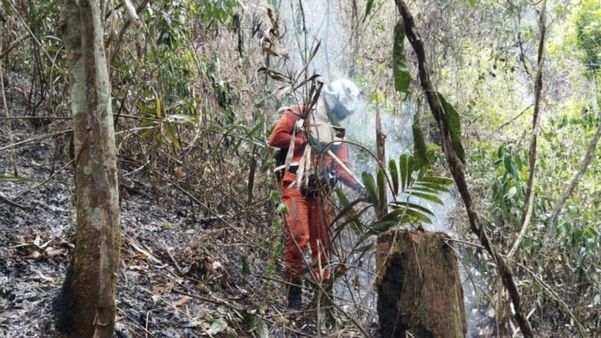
(419,289)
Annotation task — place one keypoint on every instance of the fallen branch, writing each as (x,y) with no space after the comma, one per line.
(456,166)
(179,269)
(36,138)
(47,179)
(213,299)
(34,118)
(13,45)
(12,203)
(135,322)
(132,242)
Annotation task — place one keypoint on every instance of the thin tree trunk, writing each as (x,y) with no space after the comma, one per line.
(251,178)
(88,295)
(5,106)
(381,154)
(538,86)
(457,170)
(588,157)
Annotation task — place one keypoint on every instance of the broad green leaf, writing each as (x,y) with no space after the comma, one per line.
(380,227)
(425,190)
(370,186)
(16,179)
(518,162)
(426,196)
(342,197)
(411,205)
(589,233)
(394,175)
(404,214)
(352,219)
(452,118)
(363,248)
(442,181)
(395,215)
(418,216)
(500,153)
(147,110)
(429,187)
(419,144)
(402,78)
(274,196)
(471,3)
(404,169)
(509,167)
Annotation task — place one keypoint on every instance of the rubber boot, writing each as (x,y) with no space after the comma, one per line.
(295,297)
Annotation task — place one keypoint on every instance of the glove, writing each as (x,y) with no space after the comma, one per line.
(299,139)
(314,143)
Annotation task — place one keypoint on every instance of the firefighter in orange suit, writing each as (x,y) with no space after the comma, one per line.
(309,208)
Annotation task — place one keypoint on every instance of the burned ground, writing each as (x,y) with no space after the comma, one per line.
(185,272)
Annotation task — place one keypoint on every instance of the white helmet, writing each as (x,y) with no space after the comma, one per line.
(341,98)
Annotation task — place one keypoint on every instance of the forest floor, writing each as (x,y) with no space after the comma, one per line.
(181,273)
(178,279)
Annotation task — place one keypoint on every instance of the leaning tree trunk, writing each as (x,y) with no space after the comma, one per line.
(86,305)
(419,290)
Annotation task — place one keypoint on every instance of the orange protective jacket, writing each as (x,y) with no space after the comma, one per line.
(282,135)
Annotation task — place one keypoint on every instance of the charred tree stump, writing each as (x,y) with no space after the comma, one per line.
(419,289)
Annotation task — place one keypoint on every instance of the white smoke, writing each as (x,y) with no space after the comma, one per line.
(309,22)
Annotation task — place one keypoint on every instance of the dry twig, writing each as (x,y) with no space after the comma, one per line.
(12,203)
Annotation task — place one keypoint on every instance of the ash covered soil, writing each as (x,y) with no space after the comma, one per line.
(169,262)
(181,272)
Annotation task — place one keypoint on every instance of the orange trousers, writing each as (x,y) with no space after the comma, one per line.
(306,225)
